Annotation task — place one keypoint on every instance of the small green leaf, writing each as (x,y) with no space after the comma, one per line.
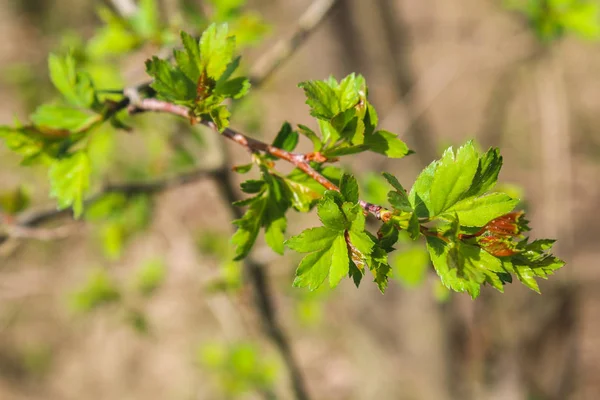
(70,180)
(487,173)
(287,138)
(313,269)
(216,50)
(220,116)
(478,211)
(386,143)
(312,240)
(339,261)
(321,99)
(170,83)
(349,188)
(331,215)
(419,195)
(310,134)
(453,177)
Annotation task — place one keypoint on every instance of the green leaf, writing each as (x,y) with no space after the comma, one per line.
(76,87)
(350,91)
(419,196)
(349,188)
(312,239)
(235,88)
(453,177)
(331,215)
(30,143)
(478,211)
(386,143)
(464,268)
(216,50)
(487,173)
(72,119)
(287,138)
(220,116)
(310,134)
(267,210)
(321,98)
(339,261)
(188,61)
(170,83)
(392,180)
(70,180)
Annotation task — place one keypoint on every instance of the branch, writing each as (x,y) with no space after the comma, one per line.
(300,161)
(286,47)
(22,226)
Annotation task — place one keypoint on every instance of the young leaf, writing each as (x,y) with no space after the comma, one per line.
(70,180)
(60,117)
(349,188)
(216,50)
(321,99)
(286,139)
(478,211)
(386,143)
(170,83)
(453,177)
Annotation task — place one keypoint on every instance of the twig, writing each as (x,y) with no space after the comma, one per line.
(21,228)
(300,161)
(285,48)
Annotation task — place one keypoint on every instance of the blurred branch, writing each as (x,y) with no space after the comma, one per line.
(396,40)
(125,8)
(263,296)
(24,226)
(286,47)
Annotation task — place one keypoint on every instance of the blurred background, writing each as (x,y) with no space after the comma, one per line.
(142,302)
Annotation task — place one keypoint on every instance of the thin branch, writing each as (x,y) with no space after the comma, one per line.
(300,161)
(286,47)
(22,226)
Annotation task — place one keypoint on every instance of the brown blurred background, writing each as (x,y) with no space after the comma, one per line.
(439,72)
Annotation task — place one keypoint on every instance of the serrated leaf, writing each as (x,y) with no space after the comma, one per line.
(349,188)
(386,143)
(220,116)
(312,240)
(76,88)
(235,88)
(70,180)
(350,90)
(188,60)
(29,143)
(392,180)
(252,186)
(487,173)
(330,214)
(478,211)
(321,99)
(170,83)
(339,261)
(419,195)
(216,50)
(453,177)
(464,268)
(313,269)
(248,228)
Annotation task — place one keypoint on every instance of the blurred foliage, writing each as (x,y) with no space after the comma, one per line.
(99,290)
(150,277)
(553,19)
(14,201)
(239,367)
